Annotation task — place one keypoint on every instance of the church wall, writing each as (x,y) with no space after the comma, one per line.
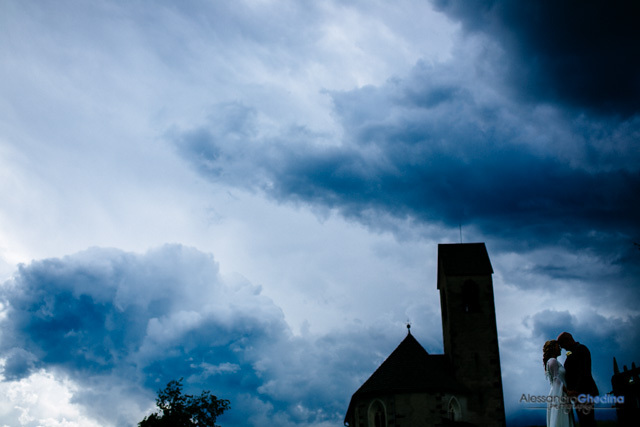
(414,409)
(408,410)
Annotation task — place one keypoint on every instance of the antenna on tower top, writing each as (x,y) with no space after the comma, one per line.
(460,225)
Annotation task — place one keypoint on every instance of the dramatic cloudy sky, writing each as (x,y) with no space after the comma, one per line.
(249,194)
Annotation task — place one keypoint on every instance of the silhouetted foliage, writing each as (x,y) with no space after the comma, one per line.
(184,410)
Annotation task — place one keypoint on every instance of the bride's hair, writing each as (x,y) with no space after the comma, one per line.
(549,350)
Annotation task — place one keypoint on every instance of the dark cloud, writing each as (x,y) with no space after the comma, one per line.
(437,154)
(122,325)
(18,364)
(547,323)
(583,54)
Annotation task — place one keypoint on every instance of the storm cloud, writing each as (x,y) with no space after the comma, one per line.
(427,151)
(122,323)
(580,54)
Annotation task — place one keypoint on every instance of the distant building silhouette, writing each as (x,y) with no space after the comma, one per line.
(627,384)
(463,386)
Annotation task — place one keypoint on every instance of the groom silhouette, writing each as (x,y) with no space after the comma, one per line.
(578,377)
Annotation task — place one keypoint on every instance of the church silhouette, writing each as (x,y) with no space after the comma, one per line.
(463,386)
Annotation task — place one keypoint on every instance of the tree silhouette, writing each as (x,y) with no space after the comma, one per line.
(184,410)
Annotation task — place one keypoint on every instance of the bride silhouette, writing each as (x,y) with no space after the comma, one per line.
(559,409)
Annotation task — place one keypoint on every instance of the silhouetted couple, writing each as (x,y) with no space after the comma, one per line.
(571,385)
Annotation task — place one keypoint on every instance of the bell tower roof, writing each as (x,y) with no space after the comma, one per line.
(463,259)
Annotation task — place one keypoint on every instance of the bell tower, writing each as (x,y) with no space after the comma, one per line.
(469,329)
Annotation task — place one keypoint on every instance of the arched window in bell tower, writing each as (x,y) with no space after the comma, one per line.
(377,414)
(470,297)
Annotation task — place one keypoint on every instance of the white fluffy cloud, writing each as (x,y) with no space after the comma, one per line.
(42,400)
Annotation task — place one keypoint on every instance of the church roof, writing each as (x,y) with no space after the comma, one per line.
(409,369)
(464,259)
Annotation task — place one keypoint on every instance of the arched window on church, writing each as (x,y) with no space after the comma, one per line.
(377,414)
(470,297)
(455,412)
